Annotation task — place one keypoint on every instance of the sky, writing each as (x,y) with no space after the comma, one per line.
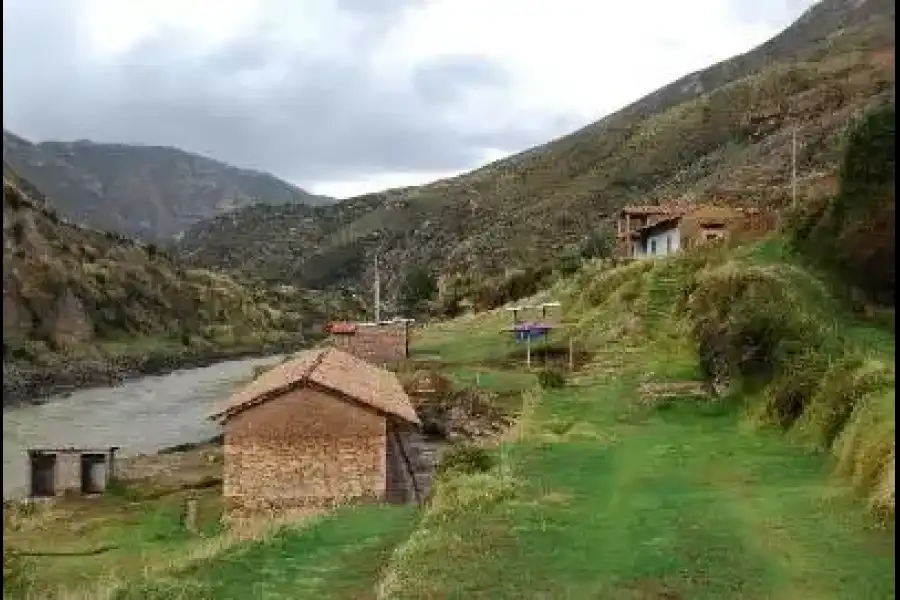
(344,97)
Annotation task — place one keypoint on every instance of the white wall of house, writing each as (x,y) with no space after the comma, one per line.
(659,244)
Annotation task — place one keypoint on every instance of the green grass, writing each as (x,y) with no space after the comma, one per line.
(85,544)
(341,556)
(611,502)
(605,494)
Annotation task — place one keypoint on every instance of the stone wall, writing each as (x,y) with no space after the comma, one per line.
(378,344)
(306,450)
(401,487)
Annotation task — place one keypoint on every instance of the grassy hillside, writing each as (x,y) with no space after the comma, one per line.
(72,293)
(721,134)
(151,193)
(613,488)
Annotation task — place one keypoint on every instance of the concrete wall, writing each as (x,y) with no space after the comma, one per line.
(67,473)
(378,344)
(306,451)
(665,242)
(400,482)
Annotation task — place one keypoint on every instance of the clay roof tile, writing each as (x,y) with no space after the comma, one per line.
(331,368)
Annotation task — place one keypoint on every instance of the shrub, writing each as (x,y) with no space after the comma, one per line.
(747,323)
(551,379)
(793,387)
(419,287)
(848,382)
(465,459)
(569,262)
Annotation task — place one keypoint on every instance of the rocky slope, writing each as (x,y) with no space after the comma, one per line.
(147,192)
(721,134)
(74,295)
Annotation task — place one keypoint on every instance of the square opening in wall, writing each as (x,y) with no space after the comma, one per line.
(93,473)
(43,475)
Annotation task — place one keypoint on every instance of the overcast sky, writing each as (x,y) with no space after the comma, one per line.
(348,96)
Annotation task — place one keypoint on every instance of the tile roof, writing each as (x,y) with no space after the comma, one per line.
(342,327)
(651,209)
(331,368)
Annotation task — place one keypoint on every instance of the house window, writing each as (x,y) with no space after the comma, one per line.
(652,246)
(668,244)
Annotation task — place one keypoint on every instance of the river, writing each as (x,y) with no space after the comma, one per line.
(140,416)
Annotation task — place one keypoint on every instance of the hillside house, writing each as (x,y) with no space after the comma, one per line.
(634,217)
(382,343)
(671,229)
(323,429)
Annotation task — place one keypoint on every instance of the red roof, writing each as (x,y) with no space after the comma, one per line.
(341,327)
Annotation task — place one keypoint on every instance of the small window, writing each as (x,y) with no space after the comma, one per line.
(668,244)
(652,246)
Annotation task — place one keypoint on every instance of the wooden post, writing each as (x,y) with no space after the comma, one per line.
(190,515)
(571,356)
(528,350)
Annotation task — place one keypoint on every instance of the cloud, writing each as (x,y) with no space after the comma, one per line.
(343,92)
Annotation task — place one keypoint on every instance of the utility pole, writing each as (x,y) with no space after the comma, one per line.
(794,167)
(377,292)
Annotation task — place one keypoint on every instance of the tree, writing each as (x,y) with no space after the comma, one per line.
(596,245)
(419,286)
(569,262)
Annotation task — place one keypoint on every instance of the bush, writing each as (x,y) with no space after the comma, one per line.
(516,285)
(419,287)
(569,262)
(551,379)
(465,459)
(793,388)
(747,323)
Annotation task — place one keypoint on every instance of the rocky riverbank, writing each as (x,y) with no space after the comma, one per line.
(27,383)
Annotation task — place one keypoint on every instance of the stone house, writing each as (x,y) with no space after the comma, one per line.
(323,429)
(666,233)
(382,343)
(634,217)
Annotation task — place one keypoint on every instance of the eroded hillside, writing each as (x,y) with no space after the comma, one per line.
(73,291)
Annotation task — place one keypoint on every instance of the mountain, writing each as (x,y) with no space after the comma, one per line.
(149,192)
(73,292)
(722,134)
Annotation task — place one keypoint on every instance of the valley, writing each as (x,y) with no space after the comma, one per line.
(716,421)
(87,307)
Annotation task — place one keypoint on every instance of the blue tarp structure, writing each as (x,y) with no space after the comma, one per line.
(530,331)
